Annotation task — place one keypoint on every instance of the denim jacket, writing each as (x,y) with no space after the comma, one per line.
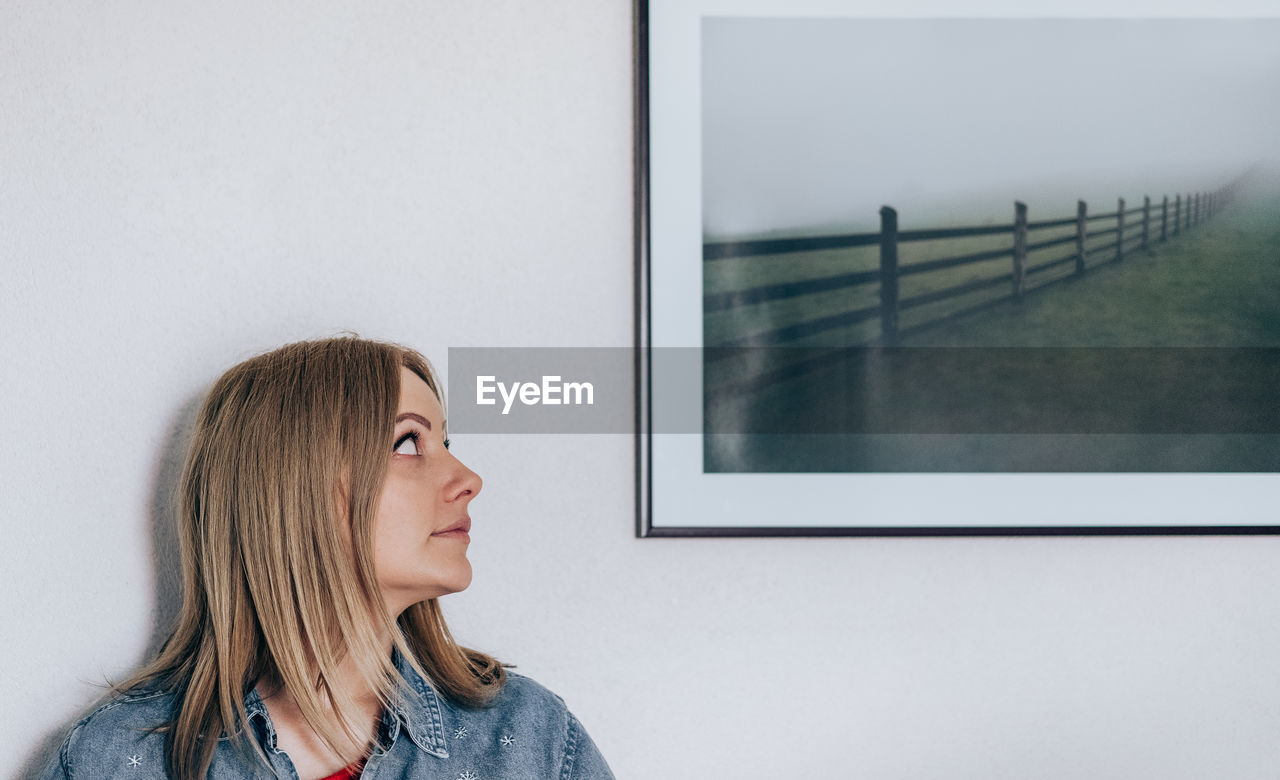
(526,732)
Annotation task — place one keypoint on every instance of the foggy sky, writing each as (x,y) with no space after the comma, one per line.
(812,122)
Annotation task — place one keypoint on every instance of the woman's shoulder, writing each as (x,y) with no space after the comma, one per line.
(525,692)
(121,734)
(129,713)
(520,699)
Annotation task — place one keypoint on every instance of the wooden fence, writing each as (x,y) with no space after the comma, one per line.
(1127,228)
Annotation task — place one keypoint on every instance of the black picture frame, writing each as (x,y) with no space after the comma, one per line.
(1216,511)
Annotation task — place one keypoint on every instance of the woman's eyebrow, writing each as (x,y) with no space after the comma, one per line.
(416,417)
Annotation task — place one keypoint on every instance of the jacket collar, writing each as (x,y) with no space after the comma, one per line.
(259,721)
(419,711)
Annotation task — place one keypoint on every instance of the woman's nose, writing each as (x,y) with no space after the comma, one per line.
(466,485)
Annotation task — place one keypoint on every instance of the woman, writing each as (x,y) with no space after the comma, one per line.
(321,517)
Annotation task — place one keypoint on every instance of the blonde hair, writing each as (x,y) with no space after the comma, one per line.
(276,513)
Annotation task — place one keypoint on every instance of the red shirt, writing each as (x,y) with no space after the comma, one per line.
(347,773)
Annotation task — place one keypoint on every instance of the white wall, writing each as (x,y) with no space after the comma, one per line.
(182,184)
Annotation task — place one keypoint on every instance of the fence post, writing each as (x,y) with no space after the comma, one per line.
(1188,210)
(1146,218)
(1019,248)
(1120,230)
(1082,232)
(1177,214)
(1164,216)
(888,275)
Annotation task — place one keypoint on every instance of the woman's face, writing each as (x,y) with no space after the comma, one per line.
(421,527)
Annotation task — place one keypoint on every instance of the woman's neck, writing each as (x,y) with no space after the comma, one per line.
(312,757)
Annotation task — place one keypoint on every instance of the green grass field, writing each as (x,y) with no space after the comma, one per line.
(1217,285)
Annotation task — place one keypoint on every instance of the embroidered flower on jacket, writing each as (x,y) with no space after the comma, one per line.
(460,732)
(135,760)
(507,741)
(468,775)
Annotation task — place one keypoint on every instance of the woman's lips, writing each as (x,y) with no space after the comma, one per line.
(459,530)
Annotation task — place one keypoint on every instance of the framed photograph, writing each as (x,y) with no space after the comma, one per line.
(907,273)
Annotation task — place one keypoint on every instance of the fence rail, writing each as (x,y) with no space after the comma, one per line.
(1135,228)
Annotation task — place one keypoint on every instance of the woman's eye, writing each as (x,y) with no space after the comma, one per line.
(407,445)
